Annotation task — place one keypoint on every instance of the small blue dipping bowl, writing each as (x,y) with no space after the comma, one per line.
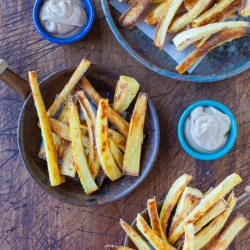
(231,137)
(89,8)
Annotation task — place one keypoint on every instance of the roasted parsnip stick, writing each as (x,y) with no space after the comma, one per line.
(121,125)
(222,37)
(105,156)
(81,69)
(132,154)
(51,155)
(81,163)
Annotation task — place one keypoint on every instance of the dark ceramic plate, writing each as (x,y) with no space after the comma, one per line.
(223,62)
(104,80)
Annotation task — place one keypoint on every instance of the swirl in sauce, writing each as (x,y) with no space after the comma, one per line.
(206,129)
(63,18)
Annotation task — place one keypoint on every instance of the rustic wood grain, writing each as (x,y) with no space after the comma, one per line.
(31,219)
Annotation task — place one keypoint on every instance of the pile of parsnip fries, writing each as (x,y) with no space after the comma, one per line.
(88,146)
(198,25)
(198,221)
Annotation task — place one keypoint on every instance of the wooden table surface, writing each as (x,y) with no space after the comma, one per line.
(29,217)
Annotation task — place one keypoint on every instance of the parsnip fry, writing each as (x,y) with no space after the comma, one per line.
(81,163)
(81,69)
(90,119)
(68,166)
(134,236)
(63,116)
(125,92)
(229,12)
(167,16)
(187,37)
(131,1)
(245,8)
(121,125)
(215,210)
(109,247)
(57,142)
(117,154)
(189,4)
(229,232)
(63,147)
(211,13)
(51,155)
(208,201)
(225,14)
(153,17)
(186,19)
(102,142)
(222,37)
(132,154)
(61,129)
(129,18)
(118,139)
(188,201)
(172,197)
(205,235)
(189,237)
(154,219)
(157,1)
(100,178)
(154,240)
(42,153)
(83,125)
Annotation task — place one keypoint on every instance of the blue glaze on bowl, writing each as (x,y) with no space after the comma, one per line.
(89,8)
(231,137)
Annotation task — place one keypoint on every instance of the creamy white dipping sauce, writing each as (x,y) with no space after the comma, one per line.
(63,18)
(206,129)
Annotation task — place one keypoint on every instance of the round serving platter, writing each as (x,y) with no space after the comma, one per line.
(221,63)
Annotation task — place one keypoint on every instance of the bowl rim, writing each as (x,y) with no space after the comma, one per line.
(188,78)
(90,19)
(159,204)
(231,138)
(126,192)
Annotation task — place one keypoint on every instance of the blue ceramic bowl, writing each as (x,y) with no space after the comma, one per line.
(89,8)
(231,137)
